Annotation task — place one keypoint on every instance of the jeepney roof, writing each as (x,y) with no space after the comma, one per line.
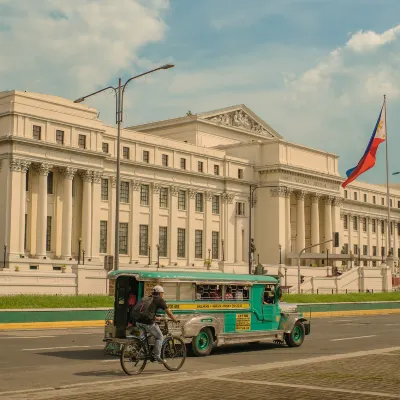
(194,276)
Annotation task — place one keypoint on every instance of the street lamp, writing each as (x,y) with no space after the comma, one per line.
(158,256)
(83,258)
(79,250)
(280,254)
(223,250)
(149,255)
(5,255)
(119,96)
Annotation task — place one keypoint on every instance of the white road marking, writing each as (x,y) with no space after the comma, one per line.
(351,338)
(340,320)
(25,337)
(63,347)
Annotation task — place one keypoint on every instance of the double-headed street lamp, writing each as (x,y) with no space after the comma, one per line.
(119,96)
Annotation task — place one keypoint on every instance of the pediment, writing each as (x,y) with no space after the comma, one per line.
(240,117)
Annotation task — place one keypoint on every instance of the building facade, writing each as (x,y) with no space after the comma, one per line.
(184,193)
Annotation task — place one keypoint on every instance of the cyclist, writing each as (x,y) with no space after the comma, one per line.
(145,317)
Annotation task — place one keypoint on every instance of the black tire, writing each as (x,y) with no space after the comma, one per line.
(296,337)
(173,352)
(133,357)
(202,344)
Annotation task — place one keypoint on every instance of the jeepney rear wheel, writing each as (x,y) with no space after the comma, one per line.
(202,344)
(296,337)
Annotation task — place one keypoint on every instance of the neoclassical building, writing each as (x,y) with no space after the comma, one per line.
(185,191)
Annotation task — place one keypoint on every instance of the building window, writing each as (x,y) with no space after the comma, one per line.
(382,227)
(374,251)
(48,234)
(365,250)
(144,195)
(215,205)
(26,230)
(374,199)
(365,197)
(216,169)
(398,228)
(355,223)
(240,210)
(124,192)
(199,202)
(198,243)
(181,243)
(374,263)
(355,248)
(104,189)
(50,183)
(82,141)
(398,204)
(123,238)
(215,245)
(345,222)
(346,248)
(103,236)
(165,160)
(391,202)
(364,224)
(163,197)
(37,132)
(365,263)
(104,147)
(125,153)
(143,240)
(162,240)
(398,252)
(382,251)
(183,163)
(27,181)
(382,201)
(345,194)
(240,173)
(181,200)
(59,137)
(146,156)
(355,195)
(373,225)
(200,166)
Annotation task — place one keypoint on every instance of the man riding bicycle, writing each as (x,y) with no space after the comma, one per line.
(144,315)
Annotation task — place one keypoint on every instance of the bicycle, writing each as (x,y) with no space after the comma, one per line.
(137,351)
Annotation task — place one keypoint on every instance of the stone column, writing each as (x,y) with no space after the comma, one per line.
(190,226)
(172,225)
(395,240)
(350,221)
(337,226)
(378,240)
(288,193)
(154,226)
(229,241)
(369,239)
(41,228)
(96,205)
(300,221)
(66,237)
(111,219)
(22,227)
(328,222)
(135,210)
(87,178)
(207,224)
(315,238)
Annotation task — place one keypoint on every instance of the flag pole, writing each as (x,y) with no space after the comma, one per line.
(387,184)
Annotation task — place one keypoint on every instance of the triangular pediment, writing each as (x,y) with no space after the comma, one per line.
(240,117)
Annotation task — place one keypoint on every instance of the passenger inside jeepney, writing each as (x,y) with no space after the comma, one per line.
(228,293)
(269,294)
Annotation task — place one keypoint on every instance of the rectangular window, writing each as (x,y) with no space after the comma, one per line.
(123,238)
(163,240)
(365,250)
(104,189)
(103,236)
(364,224)
(355,223)
(365,197)
(124,192)
(48,234)
(198,243)
(374,251)
(82,141)
(391,203)
(143,240)
(398,204)
(382,251)
(374,199)
(345,222)
(374,263)
(181,243)
(163,197)
(398,252)
(355,248)
(374,226)
(165,160)
(125,153)
(200,166)
(215,205)
(345,194)
(183,163)
(104,147)
(146,156)
(215,245)
(26,230)
(382,227)
(59,137)
(240,208)
(240,173)
(144,195)
(181,200)
(346,248)
(27,181)
(37,132)
(216,169)
(50,183)
(382,201)
(355,195)
(199,202)
(398,228)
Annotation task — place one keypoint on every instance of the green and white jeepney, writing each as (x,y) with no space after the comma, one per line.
(213,308)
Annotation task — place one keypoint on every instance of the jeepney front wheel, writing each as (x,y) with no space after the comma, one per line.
(202,343)
(296,337)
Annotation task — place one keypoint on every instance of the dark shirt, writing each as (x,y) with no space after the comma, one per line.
(157,304)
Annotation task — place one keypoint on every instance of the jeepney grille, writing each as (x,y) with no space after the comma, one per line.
(109,319)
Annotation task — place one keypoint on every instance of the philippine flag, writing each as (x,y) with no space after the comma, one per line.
(369,158)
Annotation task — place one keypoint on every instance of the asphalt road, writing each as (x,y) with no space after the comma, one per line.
(54,358)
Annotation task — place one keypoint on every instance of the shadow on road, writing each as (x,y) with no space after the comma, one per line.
(85,355)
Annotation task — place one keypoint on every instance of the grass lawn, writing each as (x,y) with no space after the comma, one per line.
(93,301)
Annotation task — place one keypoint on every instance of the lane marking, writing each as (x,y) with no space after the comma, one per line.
(63,347)
(351,338)
(25,337)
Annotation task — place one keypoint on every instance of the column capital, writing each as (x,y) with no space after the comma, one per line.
(337,201)
(155,187)
(315,197)
(209,195)
(228,197)
(43,168)
(113,181)
(300,194)
(25,166)
(68,172)
(277,192)
(97,175)
(174,190)
(15,164)
(192,193)
(135,185)
(288,191)
(87,175)
(328,200)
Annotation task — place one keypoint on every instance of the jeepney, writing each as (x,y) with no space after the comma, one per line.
(213,308)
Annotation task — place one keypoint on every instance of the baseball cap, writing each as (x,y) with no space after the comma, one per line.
(158,289)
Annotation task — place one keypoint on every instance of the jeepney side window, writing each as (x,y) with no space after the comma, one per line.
(186,292)
(208,292)
(237,292)
(269,294)
(170,291)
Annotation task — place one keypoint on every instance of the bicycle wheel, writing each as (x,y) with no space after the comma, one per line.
(173,351)
(133,357)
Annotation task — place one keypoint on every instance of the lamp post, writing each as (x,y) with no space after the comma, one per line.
(119,95)
(280,254)
(286,277)
(209,254)
(5,255)
(158,256)
(79,250)
(223,250)
(83,258)
(149,255)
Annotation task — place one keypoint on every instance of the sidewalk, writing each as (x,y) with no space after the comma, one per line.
(365,375)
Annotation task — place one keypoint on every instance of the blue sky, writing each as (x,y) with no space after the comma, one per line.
(315,70)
